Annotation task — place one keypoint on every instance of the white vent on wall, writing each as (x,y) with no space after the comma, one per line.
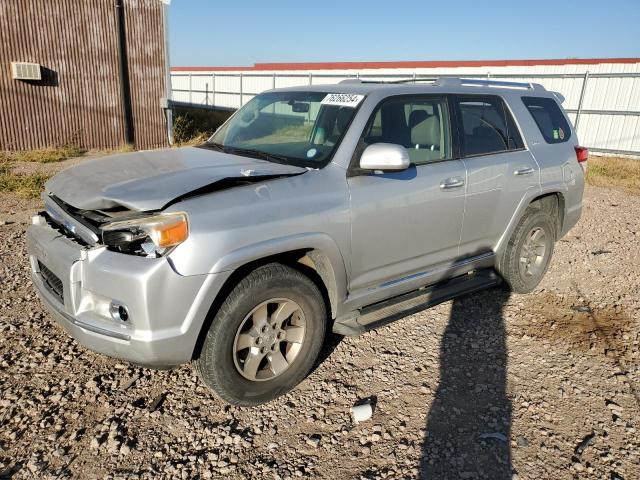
(26,71)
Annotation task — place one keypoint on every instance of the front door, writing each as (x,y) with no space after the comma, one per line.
(407,224)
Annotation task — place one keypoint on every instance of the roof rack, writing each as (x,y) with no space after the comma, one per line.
(455,81)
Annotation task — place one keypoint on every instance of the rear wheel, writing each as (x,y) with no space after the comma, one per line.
(265,337)
(528,253)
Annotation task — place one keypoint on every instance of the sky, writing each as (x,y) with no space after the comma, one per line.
(241,33)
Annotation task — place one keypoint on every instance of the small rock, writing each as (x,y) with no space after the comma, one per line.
(129,383)
(313,442)
(157,402)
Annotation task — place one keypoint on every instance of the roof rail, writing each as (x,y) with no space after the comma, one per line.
(471,82)
(455,81)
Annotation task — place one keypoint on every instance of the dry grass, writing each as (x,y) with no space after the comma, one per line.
(186,132)
(615,172)
(28,186)
(192,126)
(44,155)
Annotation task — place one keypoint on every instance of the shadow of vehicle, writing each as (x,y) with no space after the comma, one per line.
(468,426)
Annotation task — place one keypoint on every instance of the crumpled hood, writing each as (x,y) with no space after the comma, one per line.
(152,179)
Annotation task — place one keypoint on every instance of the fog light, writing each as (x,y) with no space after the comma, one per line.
(119,312)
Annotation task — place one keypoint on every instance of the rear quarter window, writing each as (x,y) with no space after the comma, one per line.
(550,120)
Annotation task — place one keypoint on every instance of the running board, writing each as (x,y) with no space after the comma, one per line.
(387,311)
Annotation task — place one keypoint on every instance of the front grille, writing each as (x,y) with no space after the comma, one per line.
(52,282)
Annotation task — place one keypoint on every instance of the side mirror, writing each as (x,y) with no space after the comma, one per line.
(385,157)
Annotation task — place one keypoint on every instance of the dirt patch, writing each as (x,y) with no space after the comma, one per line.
(575,323)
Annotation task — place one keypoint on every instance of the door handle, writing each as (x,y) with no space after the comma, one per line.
(451,183)
(524,171)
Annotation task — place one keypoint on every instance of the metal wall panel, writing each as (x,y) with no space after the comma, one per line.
(76,42)
(606,90)
(147,70)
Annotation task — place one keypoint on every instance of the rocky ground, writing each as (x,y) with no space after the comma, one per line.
(539,386)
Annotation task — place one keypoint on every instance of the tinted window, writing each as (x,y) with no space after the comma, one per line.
(549,118)
(419,124)
(487,126)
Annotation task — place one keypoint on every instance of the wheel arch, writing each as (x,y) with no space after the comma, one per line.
(552,200)
(554,204)
(318,260)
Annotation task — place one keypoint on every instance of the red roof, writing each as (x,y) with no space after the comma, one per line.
(416,64)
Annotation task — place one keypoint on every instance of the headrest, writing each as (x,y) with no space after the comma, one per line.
(416,117)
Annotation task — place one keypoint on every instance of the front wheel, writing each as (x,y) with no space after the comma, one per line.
(265,337)
(528,253)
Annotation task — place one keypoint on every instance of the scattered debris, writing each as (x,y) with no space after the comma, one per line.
(495,435)
(586,441)
(522,441)
(600,252)
(362,412)
(581,308)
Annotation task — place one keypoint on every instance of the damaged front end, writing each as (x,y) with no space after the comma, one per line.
(150,233)
(147,234)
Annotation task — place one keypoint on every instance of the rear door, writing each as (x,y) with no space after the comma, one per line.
(500,171)
(405,223)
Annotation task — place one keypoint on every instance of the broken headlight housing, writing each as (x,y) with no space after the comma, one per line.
(148,236)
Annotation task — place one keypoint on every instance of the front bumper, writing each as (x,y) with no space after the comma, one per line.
(78,284)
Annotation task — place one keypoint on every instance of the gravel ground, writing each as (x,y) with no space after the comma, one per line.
(490,386)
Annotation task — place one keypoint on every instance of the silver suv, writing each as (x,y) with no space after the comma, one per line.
(323,207)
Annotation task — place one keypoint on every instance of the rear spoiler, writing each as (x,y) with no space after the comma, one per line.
(559,96)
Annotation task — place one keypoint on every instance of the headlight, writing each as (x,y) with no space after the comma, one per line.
(150,236)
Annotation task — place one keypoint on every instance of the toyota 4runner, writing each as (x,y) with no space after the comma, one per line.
(312,208)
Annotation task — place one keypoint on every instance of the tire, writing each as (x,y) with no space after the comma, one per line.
(246,317)
(512,266)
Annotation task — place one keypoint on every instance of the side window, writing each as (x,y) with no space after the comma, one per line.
(549,118)
(419,124)
(487,126)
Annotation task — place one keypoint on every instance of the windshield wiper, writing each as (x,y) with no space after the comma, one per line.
(270,157)
(214,146)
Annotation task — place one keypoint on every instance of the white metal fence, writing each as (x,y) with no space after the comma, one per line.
(603,106)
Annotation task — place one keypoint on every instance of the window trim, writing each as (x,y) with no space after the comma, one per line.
(460,128)
(562,113)
(354,169)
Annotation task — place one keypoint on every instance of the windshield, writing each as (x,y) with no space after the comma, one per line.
(300,128)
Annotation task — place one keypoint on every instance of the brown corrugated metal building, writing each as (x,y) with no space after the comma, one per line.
(82,98)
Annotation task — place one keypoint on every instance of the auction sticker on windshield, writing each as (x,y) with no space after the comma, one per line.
(342,99)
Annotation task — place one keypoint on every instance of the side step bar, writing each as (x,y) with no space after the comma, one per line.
(387,311)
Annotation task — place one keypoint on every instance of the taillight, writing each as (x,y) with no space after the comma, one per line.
(582,154)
